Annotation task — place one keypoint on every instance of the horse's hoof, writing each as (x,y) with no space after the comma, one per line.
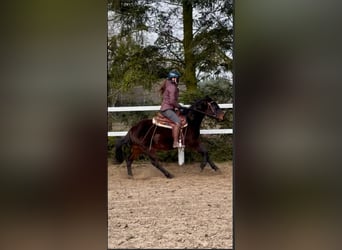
(170,176)
(130,177)
(202,166)
(217,170)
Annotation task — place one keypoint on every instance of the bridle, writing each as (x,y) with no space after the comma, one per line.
(213,113)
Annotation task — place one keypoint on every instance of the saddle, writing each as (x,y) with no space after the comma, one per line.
(162,121)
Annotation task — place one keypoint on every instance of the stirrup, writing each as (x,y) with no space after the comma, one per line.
(178,144)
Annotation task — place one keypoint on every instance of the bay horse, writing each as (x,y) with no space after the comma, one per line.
(147,138)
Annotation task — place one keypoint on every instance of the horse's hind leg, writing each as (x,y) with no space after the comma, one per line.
(129,167)
(163,170)
(135,152)
(155,163)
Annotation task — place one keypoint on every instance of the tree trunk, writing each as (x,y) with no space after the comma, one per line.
(116,5)
(189,74)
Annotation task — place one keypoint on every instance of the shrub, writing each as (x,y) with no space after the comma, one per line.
(220,147)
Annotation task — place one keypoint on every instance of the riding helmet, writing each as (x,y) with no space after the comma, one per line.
(173,74)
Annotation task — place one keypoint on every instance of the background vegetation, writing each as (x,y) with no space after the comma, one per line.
(146,40)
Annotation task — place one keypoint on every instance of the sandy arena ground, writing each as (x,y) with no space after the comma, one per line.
(192,210)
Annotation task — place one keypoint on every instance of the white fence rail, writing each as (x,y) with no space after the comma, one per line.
(156,108)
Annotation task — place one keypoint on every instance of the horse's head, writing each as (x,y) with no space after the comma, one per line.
(213,109)
(210,108)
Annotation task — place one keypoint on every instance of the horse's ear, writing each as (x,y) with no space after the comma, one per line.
(207,98)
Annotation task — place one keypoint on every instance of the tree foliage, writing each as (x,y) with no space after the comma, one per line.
(147,38)
(131,65)
(193,36)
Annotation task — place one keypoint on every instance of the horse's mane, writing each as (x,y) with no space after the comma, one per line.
(198,101)
(194,106)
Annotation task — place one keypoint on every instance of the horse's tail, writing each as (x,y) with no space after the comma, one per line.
(119,154)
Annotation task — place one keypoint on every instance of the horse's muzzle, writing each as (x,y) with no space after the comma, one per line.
(220,116)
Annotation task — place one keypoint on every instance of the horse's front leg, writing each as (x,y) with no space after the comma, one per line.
(206,159)
(212,164)
(203,151)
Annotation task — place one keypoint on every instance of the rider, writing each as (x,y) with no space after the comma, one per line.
(170,92)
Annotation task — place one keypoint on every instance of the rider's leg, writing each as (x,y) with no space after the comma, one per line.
(176,126)
(175,135)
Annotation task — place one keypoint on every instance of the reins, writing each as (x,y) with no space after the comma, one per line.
(202,112)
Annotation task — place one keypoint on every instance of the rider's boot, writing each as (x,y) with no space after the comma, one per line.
(175,135)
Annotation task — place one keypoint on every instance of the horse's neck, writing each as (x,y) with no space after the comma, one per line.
(196,121)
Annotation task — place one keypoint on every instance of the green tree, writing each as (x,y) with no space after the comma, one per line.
(131,65)
(189,57)
(194,37)
(204,49)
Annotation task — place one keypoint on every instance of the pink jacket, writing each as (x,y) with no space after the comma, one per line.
(170,96)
